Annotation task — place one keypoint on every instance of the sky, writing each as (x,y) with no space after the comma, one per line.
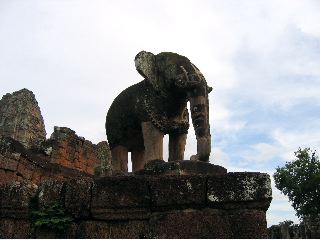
(262,58)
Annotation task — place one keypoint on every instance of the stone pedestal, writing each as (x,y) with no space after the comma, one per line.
(185,167)
(146,205)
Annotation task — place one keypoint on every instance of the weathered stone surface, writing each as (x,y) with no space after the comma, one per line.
(245,187)
(207,223)
(174,192)
(248,223)
(144,206)
(10,145)
(51,192)
(185,167)
(78,197)
(285,230)
(48,233)
(107,229)
(15,228)
(7,176)
(120,197)
(15,199)
(103,165)
(16,165)
(8,163)
(72,151)
(67,149)
(21,119)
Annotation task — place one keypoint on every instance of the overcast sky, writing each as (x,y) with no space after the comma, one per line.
(262,59)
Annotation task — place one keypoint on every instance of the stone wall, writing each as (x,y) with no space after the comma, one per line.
(187,206)
(57,158)
(18,163)
(286,231)
(309,228)
(67,149)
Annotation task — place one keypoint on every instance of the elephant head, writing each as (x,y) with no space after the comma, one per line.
(173,74)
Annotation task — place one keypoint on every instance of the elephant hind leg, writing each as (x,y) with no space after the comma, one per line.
(120,158)
(138,160)
(177,143)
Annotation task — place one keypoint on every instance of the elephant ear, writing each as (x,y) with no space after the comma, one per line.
(146,65)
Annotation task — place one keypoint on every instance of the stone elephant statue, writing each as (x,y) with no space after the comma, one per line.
(142,114)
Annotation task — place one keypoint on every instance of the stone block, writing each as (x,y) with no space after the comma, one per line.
(113,230)
(51,192)
(78,197)
(36,176)
(239,190)
(184,167)
(206,223)
(120,197)
(72,151)
(15,198)
(10,164)
(176,192)
(15,228)
(248,223)
(3,176)
(25,171)
(49,233)
(7,176)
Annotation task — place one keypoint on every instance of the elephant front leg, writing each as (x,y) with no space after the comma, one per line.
(153,141)
(177,143)
(138,160)
(120,158)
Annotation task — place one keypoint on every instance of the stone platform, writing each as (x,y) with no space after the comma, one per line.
(185,167)
(202,205)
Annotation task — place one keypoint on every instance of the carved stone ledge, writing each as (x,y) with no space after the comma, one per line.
(229,205)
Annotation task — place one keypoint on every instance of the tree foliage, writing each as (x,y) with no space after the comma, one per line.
(300,181)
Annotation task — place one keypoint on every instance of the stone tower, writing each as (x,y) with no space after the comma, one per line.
(21,119)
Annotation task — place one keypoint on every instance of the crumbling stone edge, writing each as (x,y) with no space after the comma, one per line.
(197,206)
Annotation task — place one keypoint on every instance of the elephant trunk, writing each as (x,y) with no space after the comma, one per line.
(199,105)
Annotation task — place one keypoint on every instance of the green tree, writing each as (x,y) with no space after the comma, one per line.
(300,181)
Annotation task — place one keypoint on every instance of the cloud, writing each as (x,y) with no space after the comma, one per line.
(219,157)
(262,152)
(284,74)
(261,58)
(224,120)
(292,140)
